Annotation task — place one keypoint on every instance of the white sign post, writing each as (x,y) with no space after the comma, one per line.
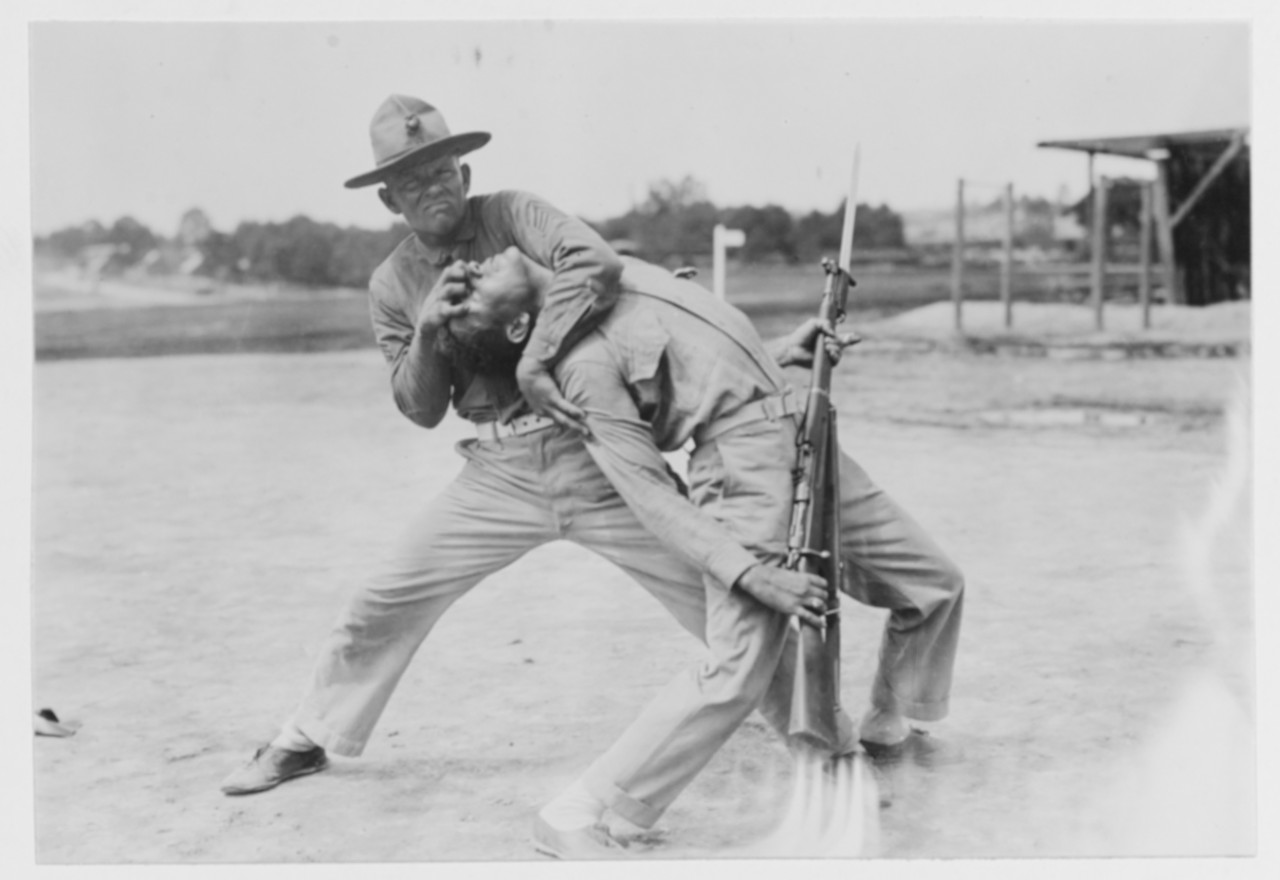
(722,238)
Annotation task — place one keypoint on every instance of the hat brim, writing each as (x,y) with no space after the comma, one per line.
(457,144)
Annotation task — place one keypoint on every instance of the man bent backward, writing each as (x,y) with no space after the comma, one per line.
(669,364)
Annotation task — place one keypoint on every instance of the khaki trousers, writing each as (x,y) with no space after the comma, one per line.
(514,495)
(743,478)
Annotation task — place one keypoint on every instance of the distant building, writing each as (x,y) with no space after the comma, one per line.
(1201,203)
(1066,228)
(1035,221)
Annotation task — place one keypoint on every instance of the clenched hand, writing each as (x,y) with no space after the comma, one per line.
(447,298)
(796,348)
(791,592)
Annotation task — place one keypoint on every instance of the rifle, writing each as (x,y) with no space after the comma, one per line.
(813,540)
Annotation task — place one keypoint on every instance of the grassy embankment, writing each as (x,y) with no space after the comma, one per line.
(775,297)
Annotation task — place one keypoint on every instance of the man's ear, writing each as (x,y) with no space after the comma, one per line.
(388,199)
(518,328)
(466,178)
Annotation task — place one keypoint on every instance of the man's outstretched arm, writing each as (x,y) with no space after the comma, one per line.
(584,287)
(622,444)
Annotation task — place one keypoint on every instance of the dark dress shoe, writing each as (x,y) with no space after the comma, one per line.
(271,766)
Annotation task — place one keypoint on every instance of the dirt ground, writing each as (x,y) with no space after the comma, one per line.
(198,521)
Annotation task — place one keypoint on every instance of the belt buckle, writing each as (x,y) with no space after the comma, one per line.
(517,427)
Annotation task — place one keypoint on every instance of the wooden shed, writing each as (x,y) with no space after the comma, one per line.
(1200,203)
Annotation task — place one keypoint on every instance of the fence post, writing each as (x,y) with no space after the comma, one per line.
(1164,229)
(957,256)
(1006,268)
(1144,257)
(721,240)
(1099,246)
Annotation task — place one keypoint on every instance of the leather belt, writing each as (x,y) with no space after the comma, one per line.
(515,428)
(771,409)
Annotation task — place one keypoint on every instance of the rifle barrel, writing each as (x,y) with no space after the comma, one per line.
(814,537)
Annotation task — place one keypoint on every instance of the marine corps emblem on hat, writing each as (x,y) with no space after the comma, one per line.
(406,131)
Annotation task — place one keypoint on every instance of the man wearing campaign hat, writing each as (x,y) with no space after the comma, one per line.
(423,181)
(528,477)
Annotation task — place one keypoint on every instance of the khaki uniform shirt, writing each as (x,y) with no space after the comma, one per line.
(668,362)
(582,291)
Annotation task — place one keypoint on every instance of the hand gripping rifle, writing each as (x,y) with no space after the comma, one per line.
(813,542)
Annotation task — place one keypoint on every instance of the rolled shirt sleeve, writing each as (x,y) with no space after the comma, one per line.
(622,444)
(586,278)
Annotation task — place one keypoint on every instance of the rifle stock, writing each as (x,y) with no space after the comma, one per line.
(813,541)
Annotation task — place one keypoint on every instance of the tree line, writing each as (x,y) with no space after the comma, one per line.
(672,225)
(675,220)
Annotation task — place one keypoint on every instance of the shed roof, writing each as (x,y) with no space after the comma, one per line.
(1137,146)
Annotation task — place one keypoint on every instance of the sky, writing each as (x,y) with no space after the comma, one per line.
(262,121)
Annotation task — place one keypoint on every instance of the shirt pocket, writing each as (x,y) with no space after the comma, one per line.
(743,480)
(641,350)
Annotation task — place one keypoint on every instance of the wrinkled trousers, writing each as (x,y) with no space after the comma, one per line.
(513,495)
(743,479)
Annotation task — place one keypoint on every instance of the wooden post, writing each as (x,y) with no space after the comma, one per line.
(717,261)
(1164,233)
(1092,182)
(721,240)
(1006,267)
(1220,165)
(1144,257)
(1099,246)
(957,256)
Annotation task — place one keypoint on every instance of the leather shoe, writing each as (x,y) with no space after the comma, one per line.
(590,842)
(879,751)
(271,766)
(919,749)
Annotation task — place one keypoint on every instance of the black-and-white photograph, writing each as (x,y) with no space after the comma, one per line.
(542,437)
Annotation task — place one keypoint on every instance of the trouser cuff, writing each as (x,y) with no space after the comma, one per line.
(883,698)
(634,811)
(331,742)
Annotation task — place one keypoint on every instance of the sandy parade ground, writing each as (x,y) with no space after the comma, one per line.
(199,519)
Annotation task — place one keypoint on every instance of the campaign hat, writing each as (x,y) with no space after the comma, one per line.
(406,131)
